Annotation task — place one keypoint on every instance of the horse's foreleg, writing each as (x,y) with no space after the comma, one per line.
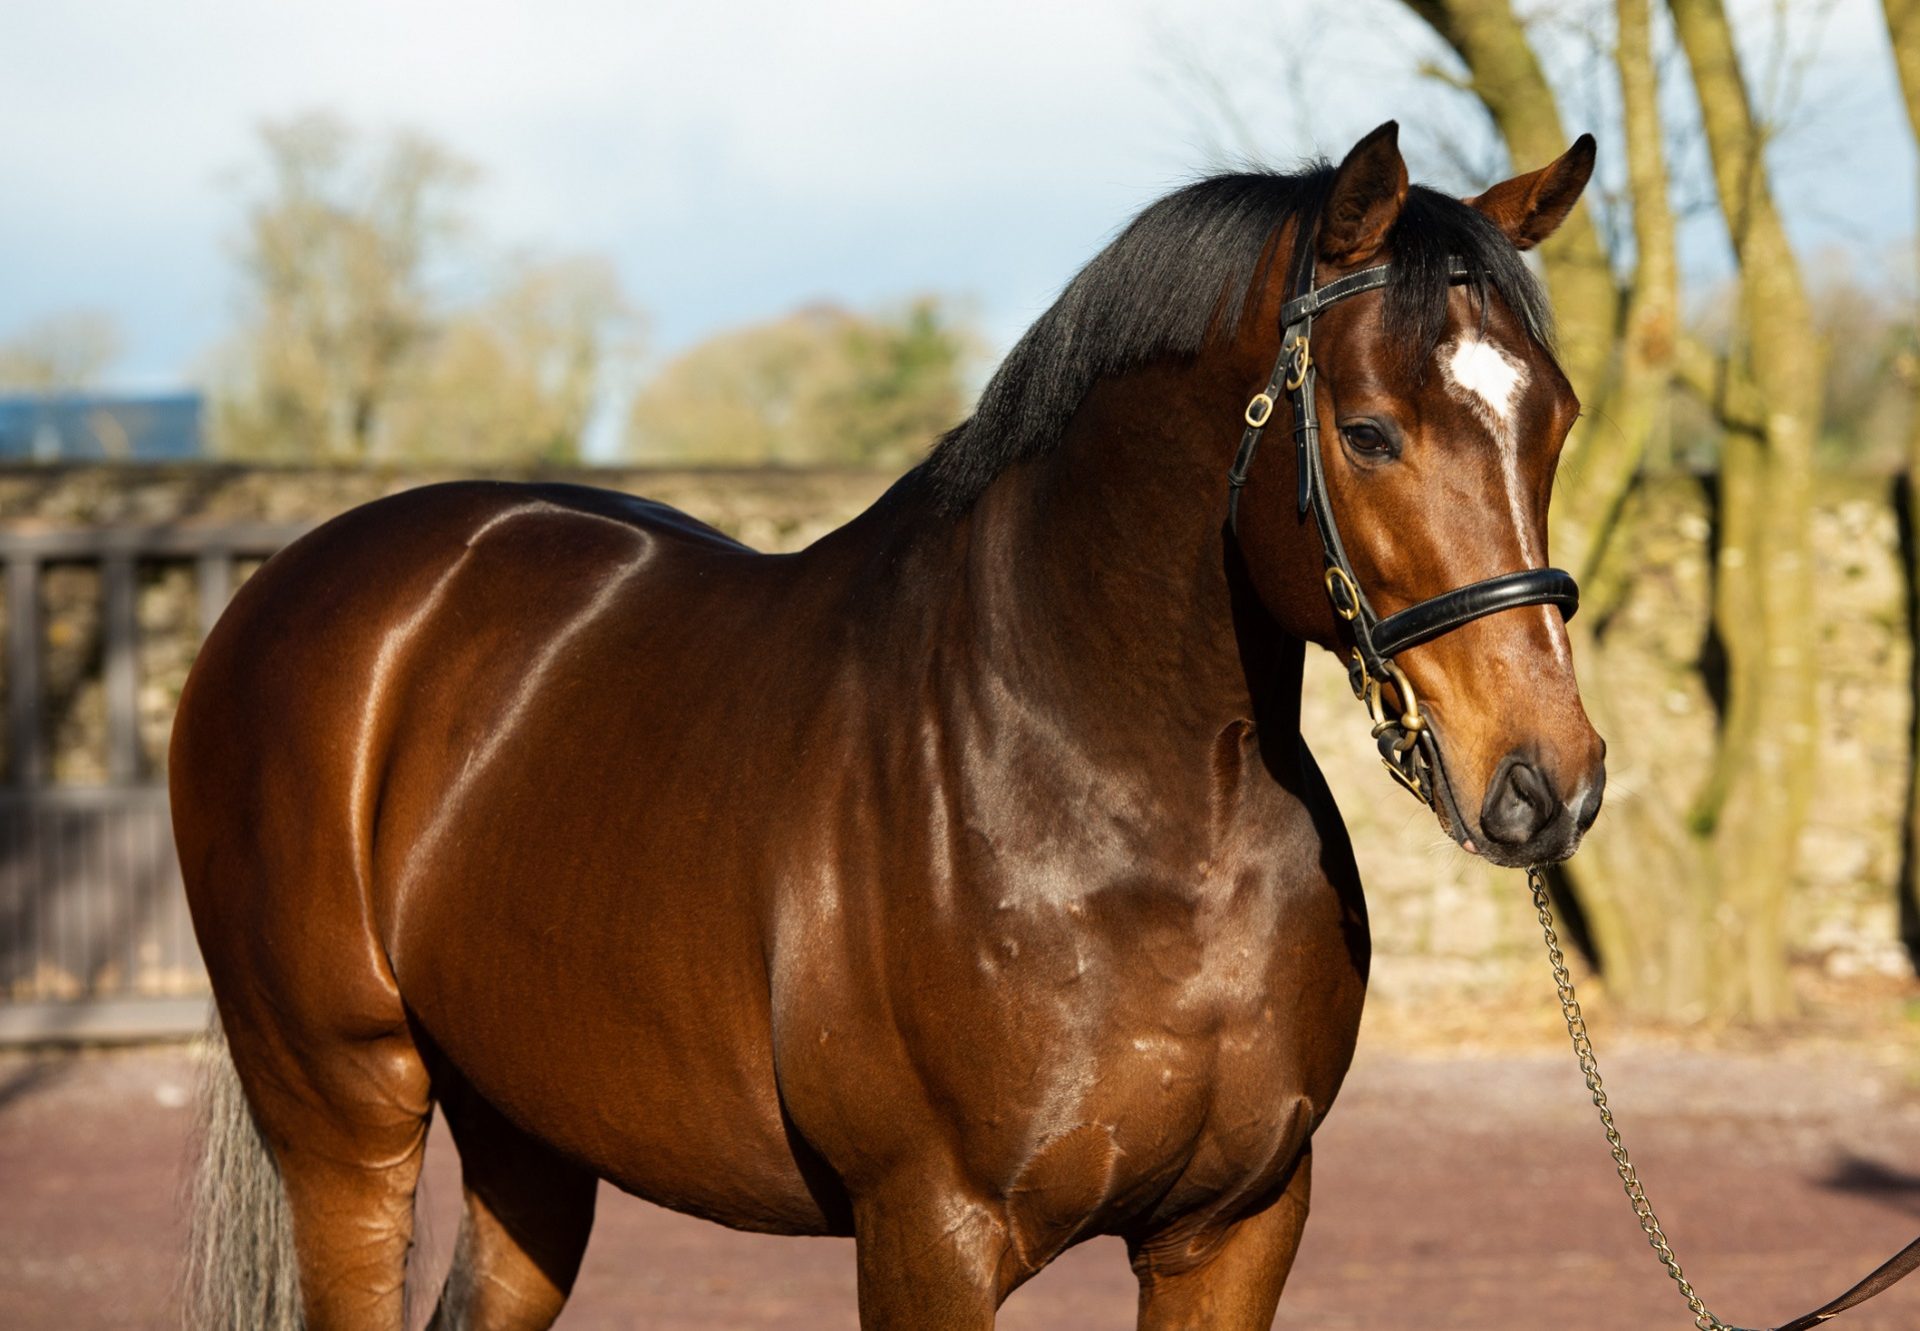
(1232,1283)
(930,1259)
(528,1214)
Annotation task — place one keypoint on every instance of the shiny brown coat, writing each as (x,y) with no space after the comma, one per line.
(959,883)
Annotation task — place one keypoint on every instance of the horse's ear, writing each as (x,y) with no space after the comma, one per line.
(1530,208)
(1368,192)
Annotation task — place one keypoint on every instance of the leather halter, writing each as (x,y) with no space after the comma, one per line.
(1406,741)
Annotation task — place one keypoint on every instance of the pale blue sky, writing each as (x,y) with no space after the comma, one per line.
(737,159)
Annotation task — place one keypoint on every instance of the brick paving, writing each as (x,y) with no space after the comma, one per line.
(1464,1190)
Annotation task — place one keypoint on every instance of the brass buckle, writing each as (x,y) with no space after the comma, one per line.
(1260,410)
(1302,362)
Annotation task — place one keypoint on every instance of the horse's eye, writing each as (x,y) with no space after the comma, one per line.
(1364,437)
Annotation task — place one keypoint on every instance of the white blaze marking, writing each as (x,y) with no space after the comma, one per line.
(1488,373)
(1490,381)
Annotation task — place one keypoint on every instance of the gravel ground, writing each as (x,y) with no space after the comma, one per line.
(1453,1189)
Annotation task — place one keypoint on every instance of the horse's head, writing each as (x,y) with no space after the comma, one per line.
(1441,413)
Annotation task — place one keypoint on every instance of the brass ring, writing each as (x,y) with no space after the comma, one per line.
(1410,718)
(1352,607)
(1260,410)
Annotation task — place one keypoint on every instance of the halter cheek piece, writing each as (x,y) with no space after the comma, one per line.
(1406,742)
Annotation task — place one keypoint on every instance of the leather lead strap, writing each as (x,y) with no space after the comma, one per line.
(1884,1277)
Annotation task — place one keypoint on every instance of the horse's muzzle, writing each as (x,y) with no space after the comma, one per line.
(1526,820)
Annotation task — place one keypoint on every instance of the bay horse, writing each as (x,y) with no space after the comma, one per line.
(959,883)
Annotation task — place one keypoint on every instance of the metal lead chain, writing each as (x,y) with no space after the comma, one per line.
(1590,1067)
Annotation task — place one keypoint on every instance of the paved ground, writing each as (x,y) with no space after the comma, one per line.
(1451,1191)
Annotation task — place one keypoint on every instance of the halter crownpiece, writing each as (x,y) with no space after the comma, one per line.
(1406,742)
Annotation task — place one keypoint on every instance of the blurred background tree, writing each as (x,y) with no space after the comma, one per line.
(336,256)
(1903,33)
(350,352)
(519,376)
(822,385)
(59,353)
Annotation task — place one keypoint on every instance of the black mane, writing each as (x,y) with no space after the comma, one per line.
(1189,266)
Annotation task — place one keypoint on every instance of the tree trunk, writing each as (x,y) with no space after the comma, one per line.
(1755,802)
(1642,880)
(1638,405)
(1903,29)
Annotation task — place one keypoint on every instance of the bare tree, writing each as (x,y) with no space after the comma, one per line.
(822,385)
(337,256)
(351,352)
(520,375)
(59,353)
(1903,30)
(1629,877)
(1767,392)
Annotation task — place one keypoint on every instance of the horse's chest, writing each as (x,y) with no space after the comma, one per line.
(1206,1062)
(1091,1058)
(1190,1128)
(1229,1110)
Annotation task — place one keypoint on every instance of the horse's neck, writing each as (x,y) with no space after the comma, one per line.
(1102,575)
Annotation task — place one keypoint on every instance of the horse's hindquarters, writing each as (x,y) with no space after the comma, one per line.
(406,772)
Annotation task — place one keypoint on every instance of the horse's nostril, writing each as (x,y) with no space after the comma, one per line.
(1519,803)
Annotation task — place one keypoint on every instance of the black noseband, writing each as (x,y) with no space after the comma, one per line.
(1449,610)
(1406,743)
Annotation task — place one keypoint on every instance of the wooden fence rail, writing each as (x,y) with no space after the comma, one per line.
(95,942)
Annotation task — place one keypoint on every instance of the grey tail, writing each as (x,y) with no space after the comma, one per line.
(240,1269)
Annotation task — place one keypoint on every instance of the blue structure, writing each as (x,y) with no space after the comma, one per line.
(96,427)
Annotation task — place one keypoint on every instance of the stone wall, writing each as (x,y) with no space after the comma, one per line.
(1446,926)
